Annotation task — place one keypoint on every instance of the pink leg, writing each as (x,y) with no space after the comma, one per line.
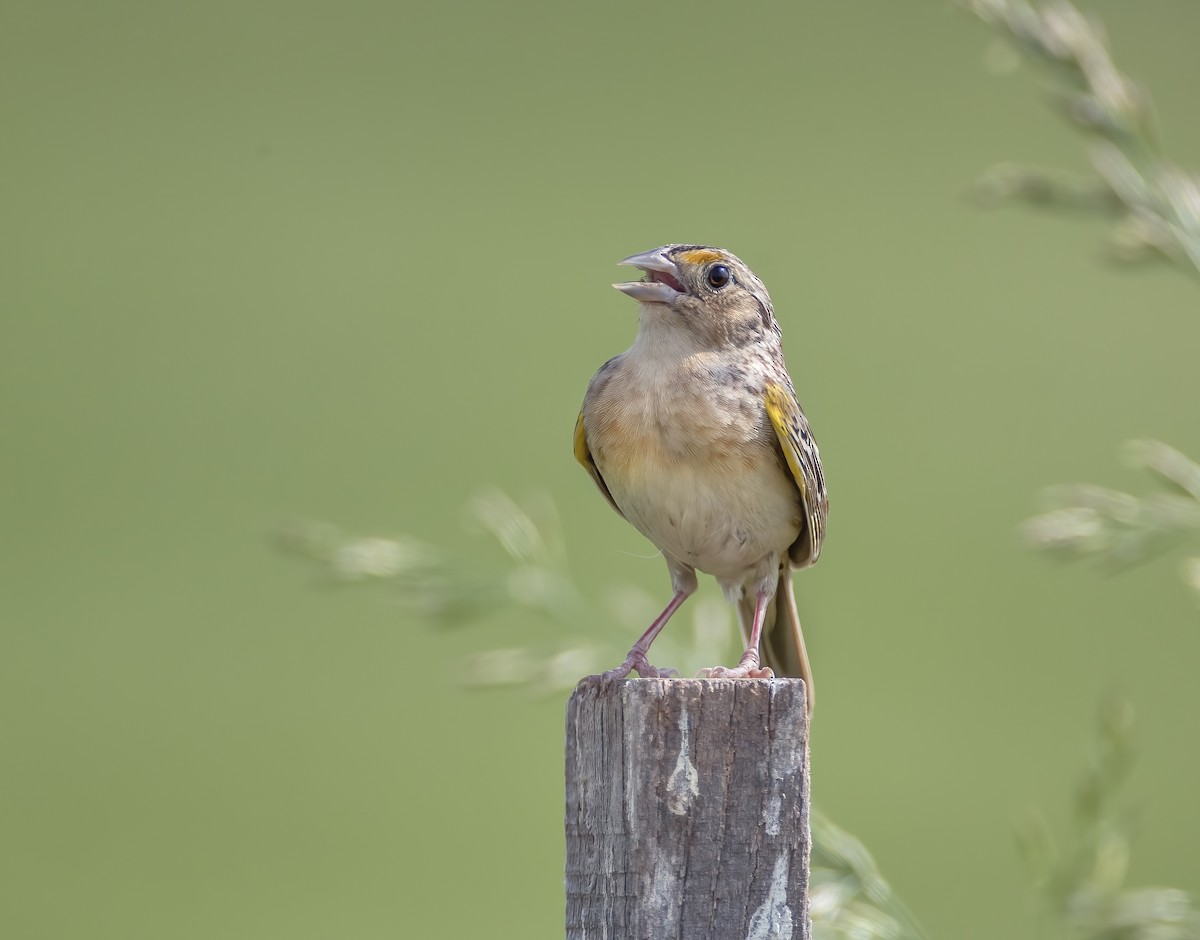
(636,660)
(748,666)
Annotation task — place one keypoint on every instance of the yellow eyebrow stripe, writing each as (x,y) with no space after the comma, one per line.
(700,256)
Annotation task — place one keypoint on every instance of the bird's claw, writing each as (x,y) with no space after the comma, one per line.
(638,664)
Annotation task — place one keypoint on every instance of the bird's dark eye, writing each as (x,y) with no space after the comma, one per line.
(719,276)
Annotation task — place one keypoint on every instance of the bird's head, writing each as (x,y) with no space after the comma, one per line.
(706,292)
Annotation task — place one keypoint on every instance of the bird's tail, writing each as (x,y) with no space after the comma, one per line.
(782,639)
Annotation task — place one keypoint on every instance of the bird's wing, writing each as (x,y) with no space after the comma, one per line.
(584,455)
(804,462)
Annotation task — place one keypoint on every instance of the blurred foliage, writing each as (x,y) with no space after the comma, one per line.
(1157,203)
(1081,881)
(1159,210)
(847,896)
(1120,528)
(533,578)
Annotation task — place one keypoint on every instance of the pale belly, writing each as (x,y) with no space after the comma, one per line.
(693,463)
(731,519)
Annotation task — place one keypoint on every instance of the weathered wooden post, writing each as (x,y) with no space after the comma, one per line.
(687,810)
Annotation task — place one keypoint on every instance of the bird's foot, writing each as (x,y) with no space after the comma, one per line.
(748,668)
(636,662)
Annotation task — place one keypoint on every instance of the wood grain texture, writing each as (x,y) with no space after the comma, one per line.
(687,810)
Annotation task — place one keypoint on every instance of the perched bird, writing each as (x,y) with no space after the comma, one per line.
(694,435)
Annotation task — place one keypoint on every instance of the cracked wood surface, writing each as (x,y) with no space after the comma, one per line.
(687,810)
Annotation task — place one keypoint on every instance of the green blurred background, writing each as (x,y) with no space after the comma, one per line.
(352,261)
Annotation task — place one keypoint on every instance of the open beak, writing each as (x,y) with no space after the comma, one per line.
(661,285)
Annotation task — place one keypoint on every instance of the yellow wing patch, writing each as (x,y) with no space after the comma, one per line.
(700,256)
(583,454)
(777,411)
(804,463)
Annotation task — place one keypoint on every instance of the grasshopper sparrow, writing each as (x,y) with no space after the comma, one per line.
(694,435)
